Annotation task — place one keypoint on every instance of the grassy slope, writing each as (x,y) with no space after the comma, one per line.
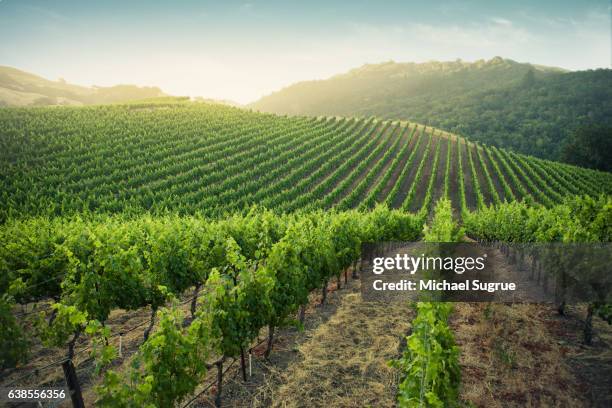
(19,88)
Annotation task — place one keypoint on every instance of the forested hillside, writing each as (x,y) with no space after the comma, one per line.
(527,108)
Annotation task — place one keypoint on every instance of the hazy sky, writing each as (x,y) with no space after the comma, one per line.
(243,50)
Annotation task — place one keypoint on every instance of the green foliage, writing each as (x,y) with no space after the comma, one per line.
(417,177)
(243,296)
(102,351)
(241,302)
(429,367)
(354,197)
(589,146)
(430,364)
(68,320)
(427,200)
(14,347)
(522,107)
(168,367)
(443,228)
(254,270)
(189,158)
(461,181)
(580,219)
(373,196)
(487,174)
(391,197)
(449,153)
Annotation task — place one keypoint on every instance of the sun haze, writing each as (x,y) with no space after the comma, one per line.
(243,50)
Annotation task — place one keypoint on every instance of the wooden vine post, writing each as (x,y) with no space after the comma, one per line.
(74,388)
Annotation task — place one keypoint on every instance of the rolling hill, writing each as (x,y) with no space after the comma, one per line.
(117,221)
(20,88)
(528,108)
(192,157)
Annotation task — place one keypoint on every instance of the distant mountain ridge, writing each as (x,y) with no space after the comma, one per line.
(444,67)
(526,107)
(20,88)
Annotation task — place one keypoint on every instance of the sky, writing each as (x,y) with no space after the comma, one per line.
(243,50)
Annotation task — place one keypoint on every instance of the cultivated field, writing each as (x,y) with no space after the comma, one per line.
(170,251)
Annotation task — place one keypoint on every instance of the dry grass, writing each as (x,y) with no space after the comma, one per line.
(509,359)
(345,362)
(511,356)
(267,374)
(118,321)
(592,365)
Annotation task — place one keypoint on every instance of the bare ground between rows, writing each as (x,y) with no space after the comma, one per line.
(525,178)
(406,183)
(384,168)
(591,364)
(487,195)
(236,392)
(402,163)
(339,360)
(131,323)
(519,355)
(315,183)
(421,186)
(506,176)
(453,182)
(527,355)
(389,135)
(438,187)
(496,181)
(380,139)
(520,181)
(470,193)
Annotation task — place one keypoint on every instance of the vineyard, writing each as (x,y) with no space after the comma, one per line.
(215,227)
(213,160)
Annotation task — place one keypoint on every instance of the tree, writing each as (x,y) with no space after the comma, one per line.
(529,79)
(590,146)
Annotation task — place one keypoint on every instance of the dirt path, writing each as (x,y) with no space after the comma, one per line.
(339,360)
(512,355)
(527,355)
(347,358)
(508,359)
(592,365)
